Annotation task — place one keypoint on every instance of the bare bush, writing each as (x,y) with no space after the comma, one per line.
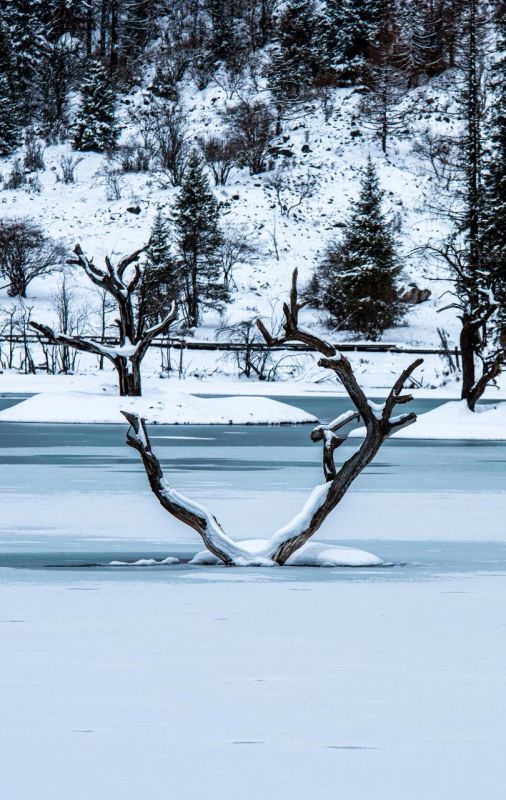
(441,153)
(113,183)
(289,192)
(26,253)
(222,154)
(251,356)
(238,247)
(133,156)
(231,80)
(34,184)
(68,166)
(8,317)
(33,159)
(163,129)
(253,123)
(72,319)
(17,176)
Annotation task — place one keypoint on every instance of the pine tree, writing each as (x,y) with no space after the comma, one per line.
(494,178)
(10,131)
(296,62)
(95,126)
(384,81)
(160,285)
(350,27)
(198,240)
(10,116)
(416,45)
(357,275)
(24,23)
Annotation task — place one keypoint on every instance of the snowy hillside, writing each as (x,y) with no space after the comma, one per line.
(288,211)
(331,153)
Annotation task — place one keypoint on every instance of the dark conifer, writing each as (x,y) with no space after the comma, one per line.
(350,27)
(199,240)
(494,206)
(357,276)
(160,285)
(297,60)
(95,126)
(10,115)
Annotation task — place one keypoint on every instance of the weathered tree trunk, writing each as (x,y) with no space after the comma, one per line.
(379,424)
(129,377)
(467,348)
(133,341)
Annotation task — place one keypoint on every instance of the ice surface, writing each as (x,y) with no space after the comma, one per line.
(252,683)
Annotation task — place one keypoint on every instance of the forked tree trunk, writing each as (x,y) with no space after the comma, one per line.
(379,424)
(133,342)
(129,378)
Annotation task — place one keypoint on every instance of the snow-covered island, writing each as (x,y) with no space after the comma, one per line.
(167,408)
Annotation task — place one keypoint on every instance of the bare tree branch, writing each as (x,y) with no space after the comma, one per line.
(181,507)
(379,423)
(133,342)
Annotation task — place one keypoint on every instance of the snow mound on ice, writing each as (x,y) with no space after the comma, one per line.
(174,408)
(312,554)
(145,562)
(455,421)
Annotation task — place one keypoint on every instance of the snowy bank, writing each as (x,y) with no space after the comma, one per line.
(170,409)
(455,421)
(312,554)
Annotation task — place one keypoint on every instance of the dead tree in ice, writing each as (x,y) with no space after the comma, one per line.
(379,421)
(121,284)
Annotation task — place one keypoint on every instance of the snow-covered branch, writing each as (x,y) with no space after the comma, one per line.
(133,342)
(379,422)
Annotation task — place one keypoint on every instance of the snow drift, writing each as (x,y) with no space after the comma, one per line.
(170,409)
(454,421)
(311,554)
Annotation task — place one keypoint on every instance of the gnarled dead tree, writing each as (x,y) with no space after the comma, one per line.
(379,421)
(134,339)
(482,349)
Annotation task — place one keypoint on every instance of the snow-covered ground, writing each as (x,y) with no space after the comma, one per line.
(332,153)
(186,682)
(454,421)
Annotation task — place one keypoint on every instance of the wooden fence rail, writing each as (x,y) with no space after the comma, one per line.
(192,344)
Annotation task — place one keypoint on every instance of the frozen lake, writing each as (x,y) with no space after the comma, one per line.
(188,682)
(80,487)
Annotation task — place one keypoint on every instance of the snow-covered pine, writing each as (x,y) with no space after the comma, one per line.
(296,61)
(494,175)
(349,30)
(10,128)
(25,24)
(198,240)
(356,279)
(161,279)
(95,126)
